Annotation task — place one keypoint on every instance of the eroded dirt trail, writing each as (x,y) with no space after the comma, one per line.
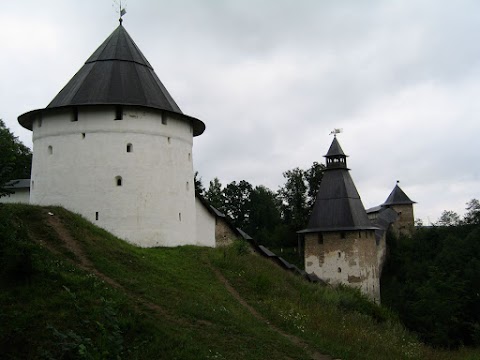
(84,263)
(314,355)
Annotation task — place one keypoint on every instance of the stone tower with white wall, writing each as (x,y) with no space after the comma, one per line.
(114,147)
(339,242)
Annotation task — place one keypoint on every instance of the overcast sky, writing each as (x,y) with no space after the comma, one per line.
(272,78)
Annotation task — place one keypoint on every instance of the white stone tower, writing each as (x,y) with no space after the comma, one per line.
(114,146)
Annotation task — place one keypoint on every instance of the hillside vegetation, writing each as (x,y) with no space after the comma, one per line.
(69,290)
(432,280)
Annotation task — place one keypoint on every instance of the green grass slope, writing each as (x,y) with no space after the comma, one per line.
(69,290)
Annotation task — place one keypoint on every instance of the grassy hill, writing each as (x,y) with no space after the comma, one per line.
(69,290)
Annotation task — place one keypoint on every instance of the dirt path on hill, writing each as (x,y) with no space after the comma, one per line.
(84,263)
(314,355)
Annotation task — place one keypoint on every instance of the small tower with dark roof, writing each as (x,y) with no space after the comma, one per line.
(340,246)
(403,206)
(115,147)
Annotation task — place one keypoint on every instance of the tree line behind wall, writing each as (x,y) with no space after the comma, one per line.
(15,159)
(272,218)
(432,280)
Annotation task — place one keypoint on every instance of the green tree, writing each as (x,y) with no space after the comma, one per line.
(313,177)
(237,202)
(448,218)
(199,189)
(431,279)
(294,198)
(473,212)
(214,195)
(264,218)
(15,159)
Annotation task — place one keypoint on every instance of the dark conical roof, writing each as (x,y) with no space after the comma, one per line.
(397,197)
(337,206)
(335,149)
(117,73)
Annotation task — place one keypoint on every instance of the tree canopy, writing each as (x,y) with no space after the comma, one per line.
(15,158)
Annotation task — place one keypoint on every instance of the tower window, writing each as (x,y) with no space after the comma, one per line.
(164,119)
(180,216)
(339,254)
(320,238)
(118,180)
(169,140)
(188,186)
(50,150)
(83,135)
(129,148)
(96,215)
(33,184)
(74,114)
(40,120)
(339,270)
(189,157)
(118,112)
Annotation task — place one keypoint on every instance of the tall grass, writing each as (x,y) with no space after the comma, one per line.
(170,304)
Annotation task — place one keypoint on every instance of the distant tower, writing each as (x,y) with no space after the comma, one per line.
(340,246)
(403,206)
(114,146)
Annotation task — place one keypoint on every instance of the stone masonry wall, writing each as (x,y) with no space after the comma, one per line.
(351,260)
(223,233)
(405,223)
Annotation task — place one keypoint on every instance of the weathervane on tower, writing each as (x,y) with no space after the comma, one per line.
(121,10)
(334,132)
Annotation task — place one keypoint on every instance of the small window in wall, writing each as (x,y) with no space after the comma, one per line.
(118,112)
(339,270)
(342,235)
(320,238)
(75,114)
(164,119)
(118,180)
(180,216)
(187,186)
(83,135)
(33,184)
(96,215)
(40,120)
(339,254)
(169,140)
(129,148)
(50,150)
(189,157)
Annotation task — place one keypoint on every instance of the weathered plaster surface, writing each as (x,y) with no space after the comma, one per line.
(223,233)
(352,260)
(405,224)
